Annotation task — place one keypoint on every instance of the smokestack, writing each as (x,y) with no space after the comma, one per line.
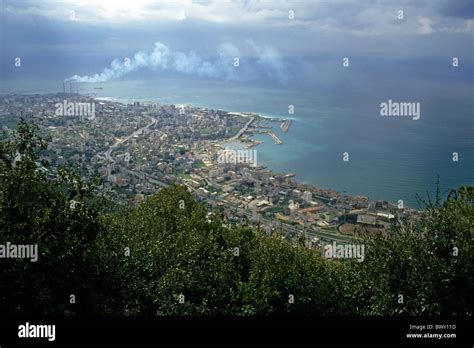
(70,87)
(64,88)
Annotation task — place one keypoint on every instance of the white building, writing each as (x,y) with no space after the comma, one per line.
(307,196)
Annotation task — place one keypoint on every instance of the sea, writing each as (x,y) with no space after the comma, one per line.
(336,116)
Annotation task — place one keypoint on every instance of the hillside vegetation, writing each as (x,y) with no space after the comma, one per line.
(167,257)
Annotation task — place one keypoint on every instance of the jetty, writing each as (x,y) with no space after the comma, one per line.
(275,138)
(285,125)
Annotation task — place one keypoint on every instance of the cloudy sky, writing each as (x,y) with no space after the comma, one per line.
(196,36)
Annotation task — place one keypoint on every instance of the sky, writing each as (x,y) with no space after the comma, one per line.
(274,40)
(287,52)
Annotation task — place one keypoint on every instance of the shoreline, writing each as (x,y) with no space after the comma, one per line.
(129,101)
(246,114)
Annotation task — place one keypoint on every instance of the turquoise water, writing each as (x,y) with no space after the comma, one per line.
(389,158)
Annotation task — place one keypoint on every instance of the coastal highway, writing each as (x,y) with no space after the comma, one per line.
(319,233)
(108,153)
(244,128)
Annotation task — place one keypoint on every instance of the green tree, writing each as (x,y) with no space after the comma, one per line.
(139,260)
(36,208)
(430,262)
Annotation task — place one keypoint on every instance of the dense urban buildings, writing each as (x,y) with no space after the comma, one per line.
(138,148)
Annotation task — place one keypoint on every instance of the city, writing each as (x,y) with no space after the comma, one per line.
(139,148)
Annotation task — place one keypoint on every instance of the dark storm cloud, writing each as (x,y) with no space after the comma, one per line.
(41,31)
(458,8)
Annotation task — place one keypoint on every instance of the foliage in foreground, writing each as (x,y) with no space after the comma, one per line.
(140,260)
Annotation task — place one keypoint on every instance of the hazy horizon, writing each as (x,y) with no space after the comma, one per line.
(289,53)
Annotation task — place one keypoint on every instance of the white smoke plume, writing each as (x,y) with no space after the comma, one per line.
(268,63)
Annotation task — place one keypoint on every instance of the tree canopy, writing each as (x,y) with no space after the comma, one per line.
(168,256)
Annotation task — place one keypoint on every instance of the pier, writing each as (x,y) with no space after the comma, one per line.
(285,125)
(275,138)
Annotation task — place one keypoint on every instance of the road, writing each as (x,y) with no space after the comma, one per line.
(144,176)
(243,129)
(108,153)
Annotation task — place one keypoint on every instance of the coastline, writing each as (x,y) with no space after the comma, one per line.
(272,159)
(254,143)
(246,114)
